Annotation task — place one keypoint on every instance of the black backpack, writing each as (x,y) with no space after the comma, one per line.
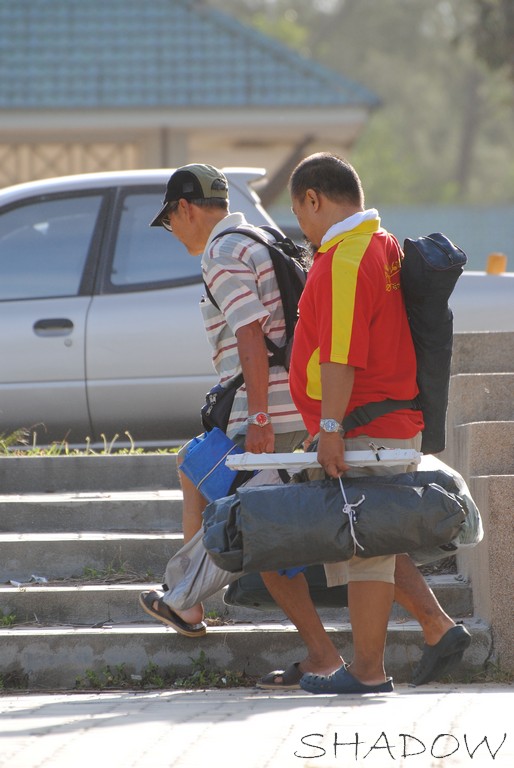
(291,273)
(430,269)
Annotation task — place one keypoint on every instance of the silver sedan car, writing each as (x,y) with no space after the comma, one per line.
(100,329)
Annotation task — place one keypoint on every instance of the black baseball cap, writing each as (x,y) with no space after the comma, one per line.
(193,182)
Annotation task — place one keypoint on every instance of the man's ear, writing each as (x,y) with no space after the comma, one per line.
(312,199)
(188,210)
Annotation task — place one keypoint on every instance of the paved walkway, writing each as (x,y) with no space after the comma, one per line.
(429,727)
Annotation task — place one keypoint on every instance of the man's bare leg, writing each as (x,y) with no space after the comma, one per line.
(369,603)
(410,590)
(413,593)
(293,597)
(445,641)
(192,508)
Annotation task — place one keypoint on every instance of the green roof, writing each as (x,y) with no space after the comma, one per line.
(73,54)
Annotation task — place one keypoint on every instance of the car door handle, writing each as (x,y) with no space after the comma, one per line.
(53,326)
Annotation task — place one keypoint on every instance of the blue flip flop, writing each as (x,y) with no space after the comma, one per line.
(341,681)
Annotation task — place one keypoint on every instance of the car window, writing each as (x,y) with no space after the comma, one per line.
(44,246)
(148,255)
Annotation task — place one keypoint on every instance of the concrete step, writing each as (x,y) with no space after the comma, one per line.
(65,555)
(486,352)
(61,515)
(123,560)
(481,397)
(97,604)
(57,657)
(129,511)
(116,472)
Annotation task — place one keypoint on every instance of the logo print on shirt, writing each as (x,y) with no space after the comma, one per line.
(392,276)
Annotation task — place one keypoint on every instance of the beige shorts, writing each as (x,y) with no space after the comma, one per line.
(367,568)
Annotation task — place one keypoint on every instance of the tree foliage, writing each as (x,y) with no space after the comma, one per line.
(493,32)
(444,71)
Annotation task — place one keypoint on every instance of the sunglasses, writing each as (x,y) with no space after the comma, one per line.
(166,218)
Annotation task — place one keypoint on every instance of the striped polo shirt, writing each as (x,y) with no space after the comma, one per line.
(239,274)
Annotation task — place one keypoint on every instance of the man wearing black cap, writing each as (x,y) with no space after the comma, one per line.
(239,275)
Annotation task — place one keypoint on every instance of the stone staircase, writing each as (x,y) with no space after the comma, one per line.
(73,519)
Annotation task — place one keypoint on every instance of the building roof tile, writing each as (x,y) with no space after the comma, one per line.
(73,54)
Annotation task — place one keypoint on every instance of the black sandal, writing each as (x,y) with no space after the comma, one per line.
(164,613)
(440,659)
(289,678)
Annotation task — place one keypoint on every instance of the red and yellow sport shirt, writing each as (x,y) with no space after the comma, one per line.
(352,312)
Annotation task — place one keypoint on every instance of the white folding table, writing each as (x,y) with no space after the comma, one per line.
(299,461)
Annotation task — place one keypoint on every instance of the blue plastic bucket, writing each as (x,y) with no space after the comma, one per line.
(204,463)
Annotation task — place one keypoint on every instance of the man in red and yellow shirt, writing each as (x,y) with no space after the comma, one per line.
(352,346)
(352,313)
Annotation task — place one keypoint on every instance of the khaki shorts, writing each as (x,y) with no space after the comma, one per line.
(367,568)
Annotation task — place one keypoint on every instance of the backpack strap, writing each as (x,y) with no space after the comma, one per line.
(278,354)
(363,414)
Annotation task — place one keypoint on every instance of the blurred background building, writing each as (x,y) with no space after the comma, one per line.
(418,95)
(123,84)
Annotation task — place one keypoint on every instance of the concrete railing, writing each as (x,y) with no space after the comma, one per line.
(480,445)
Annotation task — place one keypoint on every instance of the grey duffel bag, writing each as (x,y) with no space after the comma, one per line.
(272,527)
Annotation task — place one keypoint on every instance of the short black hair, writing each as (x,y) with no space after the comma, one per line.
(328,175)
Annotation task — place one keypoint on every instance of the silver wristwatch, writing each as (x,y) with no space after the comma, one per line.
(331,425)
(261,419)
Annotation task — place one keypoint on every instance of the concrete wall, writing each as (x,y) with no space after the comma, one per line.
(480,445)
(489,565)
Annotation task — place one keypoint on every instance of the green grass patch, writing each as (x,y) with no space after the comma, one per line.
(14,681)
(201,676)
(23,442)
